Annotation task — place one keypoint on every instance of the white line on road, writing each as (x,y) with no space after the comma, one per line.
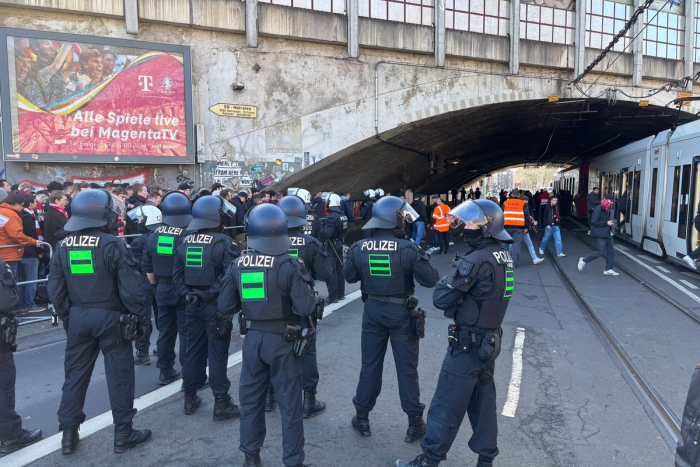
(663,270)
(516,375)
(694,275)
(688,284)
(622,247)
(95,424)
(649,258)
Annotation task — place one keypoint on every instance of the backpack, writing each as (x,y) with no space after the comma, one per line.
(9,293)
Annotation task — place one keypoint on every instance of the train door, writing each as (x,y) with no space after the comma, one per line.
(634,206)
(622,202)
(694,237)
(676,225)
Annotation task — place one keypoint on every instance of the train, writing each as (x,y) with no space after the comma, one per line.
(654,184)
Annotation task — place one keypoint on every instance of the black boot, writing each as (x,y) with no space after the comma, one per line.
(168,376)
(142,358)
(270,399)
(70,439)
(485,462)
(25,439)
(125,437)
(192,402)
(312,406)
(252,460)
(420,461)
(224,408)
(416,429)
(360,423)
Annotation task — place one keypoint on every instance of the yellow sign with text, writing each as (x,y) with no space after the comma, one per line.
(681,95)
(553,98)
(235,110)
(644,103)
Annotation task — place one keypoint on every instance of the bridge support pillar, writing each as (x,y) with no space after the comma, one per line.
(131,16)
(580,39)
(514,58)
(637,48)
(251,23)
(688,49)
(439,22)
(353,29)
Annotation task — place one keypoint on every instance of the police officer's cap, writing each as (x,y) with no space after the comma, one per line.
(206,213)
(483,214)
(295,209)
(389,212)
(267,230)
(176,210)
(89,209)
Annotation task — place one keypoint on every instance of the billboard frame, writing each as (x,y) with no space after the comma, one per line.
(6,115)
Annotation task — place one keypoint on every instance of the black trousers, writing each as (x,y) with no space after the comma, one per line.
(383,321)
(200,349)
(147,290)
(268,356)
(310,369)
(171,321)
(466,386)
(336,284)
(89,331)
(10,422)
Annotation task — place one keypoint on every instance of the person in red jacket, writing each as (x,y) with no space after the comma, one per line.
(11,231)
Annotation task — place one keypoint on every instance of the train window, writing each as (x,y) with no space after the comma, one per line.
(635,192)
(652,204)
(674,196)
(696,202)
(683,208)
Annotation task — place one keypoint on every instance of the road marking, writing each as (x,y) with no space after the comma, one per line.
(53,443)
(694,275)
(688,284)
(516,375)
(670,281)
(650,259)
(623,247)
(663,270)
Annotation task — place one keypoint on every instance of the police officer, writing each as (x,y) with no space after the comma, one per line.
(313,223)
(476,297)
(94,286)
(334,229)
(145,219)
(273,292)
(200,264)
(366,207)
(158,259)
(315,258)
(386,265)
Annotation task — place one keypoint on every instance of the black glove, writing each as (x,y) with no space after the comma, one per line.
(195,300)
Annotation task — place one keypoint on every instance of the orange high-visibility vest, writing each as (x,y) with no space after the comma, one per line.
(513,214)
(441,224)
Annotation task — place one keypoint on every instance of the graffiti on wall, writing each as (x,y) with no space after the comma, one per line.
(252,173)
(141,176)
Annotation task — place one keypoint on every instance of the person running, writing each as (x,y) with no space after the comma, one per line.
(601,230)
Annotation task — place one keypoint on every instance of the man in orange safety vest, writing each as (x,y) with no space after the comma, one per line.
(441,228)
(516,216)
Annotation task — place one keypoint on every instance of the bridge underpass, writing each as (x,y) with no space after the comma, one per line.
(467,144)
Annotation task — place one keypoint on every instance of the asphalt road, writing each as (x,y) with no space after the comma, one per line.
(575,406)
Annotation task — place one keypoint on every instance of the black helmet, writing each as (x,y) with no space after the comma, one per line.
(390,212)
(267,230)
(208,212)
(90,208)
(483,214)
(176,210)
(295,209)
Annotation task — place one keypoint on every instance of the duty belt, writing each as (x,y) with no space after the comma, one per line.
(164,280)
(388,299)
(274,326)
(106,305)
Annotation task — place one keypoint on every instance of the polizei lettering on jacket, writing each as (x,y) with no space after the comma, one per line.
(83,240)
(167,230)
(503,257)
(298,241)
(260,261)
(199,238)
(380,245)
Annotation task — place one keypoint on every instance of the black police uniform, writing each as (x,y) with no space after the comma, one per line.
(92,283)
(386,266)
(334,229)
(312,227)
(366,214)
(270,291)
(476,296)
(147,291)
(200,264)
(158,258)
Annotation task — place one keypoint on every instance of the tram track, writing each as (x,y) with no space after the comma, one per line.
(658,410)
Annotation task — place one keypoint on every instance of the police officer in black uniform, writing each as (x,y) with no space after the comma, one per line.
(334,229)
(366,207)
(273,292)
(158,260)
(386,264)
(313,223)
(94,286)
(145,219)
(476,296)
(200,264)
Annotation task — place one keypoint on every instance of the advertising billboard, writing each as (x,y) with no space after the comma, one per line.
(89,99)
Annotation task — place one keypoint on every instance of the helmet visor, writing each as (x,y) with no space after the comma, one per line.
(228,208)
(137,215)
(408,213)
(468,214)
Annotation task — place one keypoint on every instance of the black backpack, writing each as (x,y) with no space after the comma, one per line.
(9,293)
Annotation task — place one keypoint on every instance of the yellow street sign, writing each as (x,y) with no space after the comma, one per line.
(235,110)
(644,103)
(681,95)
(553,98)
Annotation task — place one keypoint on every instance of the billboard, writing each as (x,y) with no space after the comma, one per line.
(89,99)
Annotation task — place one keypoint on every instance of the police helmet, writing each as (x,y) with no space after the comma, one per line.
(295,210)
(176,209)
(90,208)
(369,193)
(379,192)
(333,202)
(390,212)
(209,212)
(483,214)
(147,216)
(301,193)
(267,230)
